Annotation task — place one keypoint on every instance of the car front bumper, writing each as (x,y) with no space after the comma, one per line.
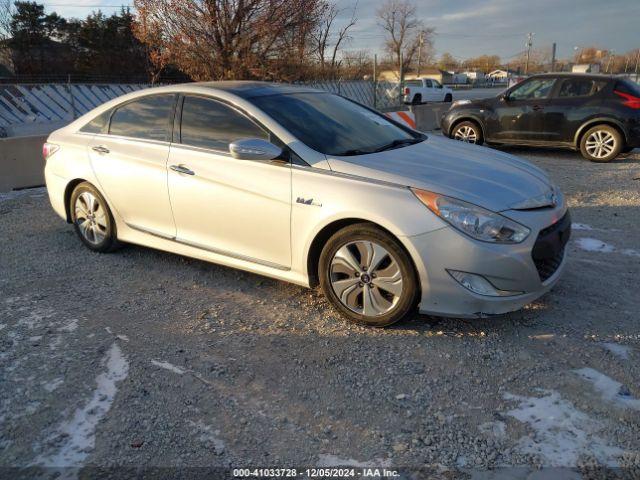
(507,267)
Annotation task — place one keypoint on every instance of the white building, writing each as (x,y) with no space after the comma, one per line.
(586,68)
(499,75)
(474,76)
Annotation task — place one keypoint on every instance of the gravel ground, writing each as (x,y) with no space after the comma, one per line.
(147,359)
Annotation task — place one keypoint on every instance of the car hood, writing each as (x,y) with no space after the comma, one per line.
(483,176)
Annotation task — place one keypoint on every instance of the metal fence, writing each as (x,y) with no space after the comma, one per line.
(23,106)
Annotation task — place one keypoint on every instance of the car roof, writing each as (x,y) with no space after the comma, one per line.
(251,89)
(593,76)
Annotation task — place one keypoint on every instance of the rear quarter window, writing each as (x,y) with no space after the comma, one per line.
(99,124)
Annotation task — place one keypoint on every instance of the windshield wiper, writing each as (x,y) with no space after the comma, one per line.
(398,142)
(355,151)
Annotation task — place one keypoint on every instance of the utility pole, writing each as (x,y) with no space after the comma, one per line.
(420,42)
(553,57)
(528,45)
(375,80)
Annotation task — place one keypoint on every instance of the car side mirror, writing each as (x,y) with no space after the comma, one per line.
(504,97)
(254,149)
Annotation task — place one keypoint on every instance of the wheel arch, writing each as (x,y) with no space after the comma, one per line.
(468,118)
(321,238)
(599,121)
(68,191)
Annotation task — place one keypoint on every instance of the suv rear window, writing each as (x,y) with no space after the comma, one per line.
(576,87)
(628,87)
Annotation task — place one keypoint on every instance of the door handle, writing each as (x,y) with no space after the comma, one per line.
(538,107)
(100,149)
(182,169)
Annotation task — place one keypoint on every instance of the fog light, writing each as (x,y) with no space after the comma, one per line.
(480,285)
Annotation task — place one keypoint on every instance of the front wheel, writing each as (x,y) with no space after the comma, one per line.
(92,219)
(367,276)
(601,143)
(468,132)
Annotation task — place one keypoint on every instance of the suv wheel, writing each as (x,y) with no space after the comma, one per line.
(367,276)
(601,143)
(468,132)
(92,219)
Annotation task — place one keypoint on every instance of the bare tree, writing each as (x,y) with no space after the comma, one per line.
(322,36)
(406,34)
(6,14)
(216,39)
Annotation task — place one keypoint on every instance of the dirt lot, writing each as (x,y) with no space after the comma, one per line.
(143,358)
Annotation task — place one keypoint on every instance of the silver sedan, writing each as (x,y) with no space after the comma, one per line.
(312,188)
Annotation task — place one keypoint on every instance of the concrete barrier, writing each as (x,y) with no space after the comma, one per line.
(21,162)
(428,116)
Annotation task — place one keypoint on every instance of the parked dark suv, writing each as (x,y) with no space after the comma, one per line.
(596,114)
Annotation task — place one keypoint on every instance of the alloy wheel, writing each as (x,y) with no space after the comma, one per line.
(366,278)
(466,134)
(600,144)
(91,218)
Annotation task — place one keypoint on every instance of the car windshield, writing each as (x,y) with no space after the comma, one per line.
(334,125)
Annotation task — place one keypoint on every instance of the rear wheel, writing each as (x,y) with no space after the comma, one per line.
(448,98)
(601,143)
(92,219)
(367,276)
(417,99)
(468,132)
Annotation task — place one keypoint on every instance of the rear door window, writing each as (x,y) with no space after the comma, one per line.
(207,123)
(576,87)
(148,118)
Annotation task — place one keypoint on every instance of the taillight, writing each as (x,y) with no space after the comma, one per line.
(629,100)
(407,91)
(49,149)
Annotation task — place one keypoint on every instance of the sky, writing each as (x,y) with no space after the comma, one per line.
(468,28)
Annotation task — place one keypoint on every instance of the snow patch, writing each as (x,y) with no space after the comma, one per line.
(621,351)
(123,337)
(329,460)
(610,389)
(561,433)
(53,384)
(78,435)
(70,326)
(208,435)
(494,429)
(595,245)
(169,366)
(581,226)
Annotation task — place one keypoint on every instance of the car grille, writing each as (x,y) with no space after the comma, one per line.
(548,251)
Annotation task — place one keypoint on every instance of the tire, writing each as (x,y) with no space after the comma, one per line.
(601,143)
(448,98)
(360,297)
(92,219)
(468,132)
(417,99)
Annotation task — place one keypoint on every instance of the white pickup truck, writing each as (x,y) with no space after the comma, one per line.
(423,90)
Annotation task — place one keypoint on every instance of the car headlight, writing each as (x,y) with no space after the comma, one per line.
(475,221)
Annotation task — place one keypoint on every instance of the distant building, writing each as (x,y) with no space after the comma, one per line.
(499,75)
(441,76)
(586,68)
(474,76)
